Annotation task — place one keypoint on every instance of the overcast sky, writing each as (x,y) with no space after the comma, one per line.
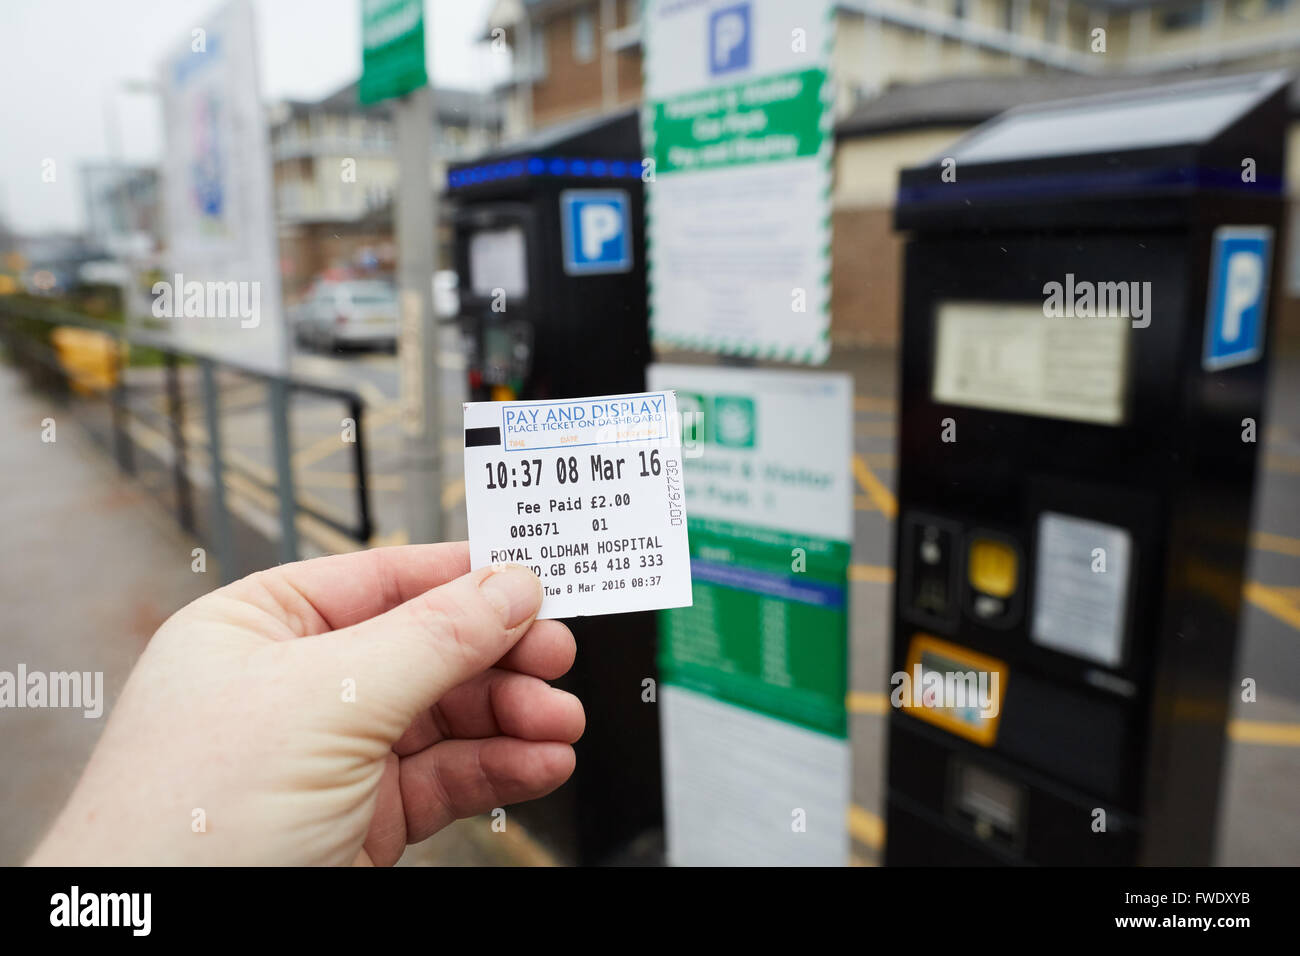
(64,63)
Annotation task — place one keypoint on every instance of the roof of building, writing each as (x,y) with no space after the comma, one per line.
(454,107)
(567,132)
(967,100)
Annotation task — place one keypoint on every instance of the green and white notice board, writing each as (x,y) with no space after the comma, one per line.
(753,677)
(737,121)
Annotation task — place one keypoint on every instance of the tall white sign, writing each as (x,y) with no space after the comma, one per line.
(221,293)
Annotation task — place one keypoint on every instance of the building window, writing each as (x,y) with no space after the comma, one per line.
(1009,16)
(1251,10)
(959,9)
(584,36)
(1184,17)
(537,51)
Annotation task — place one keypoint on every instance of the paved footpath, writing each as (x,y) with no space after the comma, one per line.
(90,566)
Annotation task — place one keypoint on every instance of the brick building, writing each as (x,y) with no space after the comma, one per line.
(335,168)
(911,76)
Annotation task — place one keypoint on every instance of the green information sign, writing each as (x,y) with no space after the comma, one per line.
(759,121)
(763,634)
(754,674)
(392,48)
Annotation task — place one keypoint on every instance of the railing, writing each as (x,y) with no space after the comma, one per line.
(25,330)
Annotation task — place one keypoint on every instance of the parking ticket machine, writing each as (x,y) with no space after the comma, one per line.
(550,256)
(1084,349)
(549,235)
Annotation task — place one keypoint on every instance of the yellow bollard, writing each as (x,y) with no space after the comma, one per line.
(90,359)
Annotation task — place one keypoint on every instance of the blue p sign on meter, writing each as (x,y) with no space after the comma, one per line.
(595,228)
(1234,326)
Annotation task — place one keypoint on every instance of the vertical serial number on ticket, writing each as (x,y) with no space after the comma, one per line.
(588,493)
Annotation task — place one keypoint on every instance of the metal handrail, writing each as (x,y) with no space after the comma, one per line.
(280,388)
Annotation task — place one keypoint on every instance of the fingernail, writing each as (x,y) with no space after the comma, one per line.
(515,592)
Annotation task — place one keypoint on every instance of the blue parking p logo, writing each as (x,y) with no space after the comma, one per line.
(596,231)
(1238,303)
(729,39)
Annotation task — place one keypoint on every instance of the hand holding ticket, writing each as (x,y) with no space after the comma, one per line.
(586,492)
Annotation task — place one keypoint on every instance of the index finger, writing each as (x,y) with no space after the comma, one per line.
(325,594)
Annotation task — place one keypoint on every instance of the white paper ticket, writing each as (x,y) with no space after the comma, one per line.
(586,492)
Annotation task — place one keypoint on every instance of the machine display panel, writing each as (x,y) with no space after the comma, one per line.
(1010,357)
(498,259)
(952,687)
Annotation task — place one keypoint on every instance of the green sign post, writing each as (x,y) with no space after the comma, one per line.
(392,58)
(392,48)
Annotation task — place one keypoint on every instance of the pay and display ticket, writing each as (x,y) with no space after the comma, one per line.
(588,493)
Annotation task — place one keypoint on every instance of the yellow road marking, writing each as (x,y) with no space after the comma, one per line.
(874,403)
(319,450)
(1273,601)
(327,445)
(1283,463)
(347,481)
(866,827)
(876,573)
(874,487)
(1239,731)
(241,398)
(519,845)
(320,534)
(863,503)
(1260,732)
(860,702)
(453,492)
(1277,543)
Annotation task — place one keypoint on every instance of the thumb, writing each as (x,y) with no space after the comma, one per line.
(405,659)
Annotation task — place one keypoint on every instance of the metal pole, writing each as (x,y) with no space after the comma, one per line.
(365,525)
(180,469)
(279,389)
(416,214)
(222,538)
(119,400)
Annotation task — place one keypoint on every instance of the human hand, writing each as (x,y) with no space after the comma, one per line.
(326,712)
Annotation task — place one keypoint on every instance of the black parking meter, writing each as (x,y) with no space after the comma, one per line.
(1084,353)
(550,256)
(549,234)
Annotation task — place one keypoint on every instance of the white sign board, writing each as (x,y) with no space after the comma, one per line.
(754,675)
(737,122)
(221,293)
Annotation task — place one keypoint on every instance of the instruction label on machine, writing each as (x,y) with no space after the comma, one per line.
(1082,587)
(586,492)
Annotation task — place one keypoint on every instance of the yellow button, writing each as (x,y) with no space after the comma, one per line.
(992,567)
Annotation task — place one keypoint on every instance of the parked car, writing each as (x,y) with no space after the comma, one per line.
(446,294)
(348,313)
